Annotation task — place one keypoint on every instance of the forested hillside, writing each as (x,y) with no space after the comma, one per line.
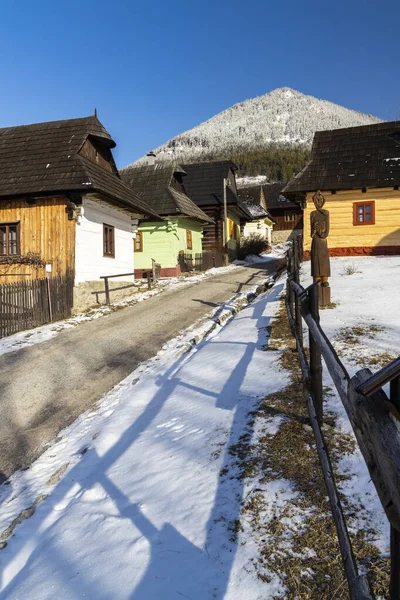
(278,162)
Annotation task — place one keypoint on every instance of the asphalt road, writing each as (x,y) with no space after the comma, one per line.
(46,386)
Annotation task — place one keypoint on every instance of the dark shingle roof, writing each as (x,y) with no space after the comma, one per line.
(250,199)
(43,158)
(355,157)
(204,182)
(153,184)
(274,198)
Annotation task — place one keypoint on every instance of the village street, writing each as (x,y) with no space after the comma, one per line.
(46,386)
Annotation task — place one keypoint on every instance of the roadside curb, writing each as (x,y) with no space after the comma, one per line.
(227,311)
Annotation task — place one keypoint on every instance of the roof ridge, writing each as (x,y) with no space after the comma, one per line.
(60,121)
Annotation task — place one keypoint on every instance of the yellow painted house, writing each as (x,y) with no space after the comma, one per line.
(357,169)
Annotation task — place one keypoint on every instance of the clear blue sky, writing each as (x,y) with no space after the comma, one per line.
(155,68)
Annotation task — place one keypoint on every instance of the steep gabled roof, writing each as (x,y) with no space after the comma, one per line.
(154,185)
(250,200)
(274,198)
(355,157)
(43,158)
(204,182)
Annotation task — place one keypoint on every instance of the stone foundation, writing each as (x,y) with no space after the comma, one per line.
(361,251)
(165,272)
(92,293)
(284,235)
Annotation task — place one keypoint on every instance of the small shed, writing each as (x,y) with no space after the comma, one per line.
(260,221)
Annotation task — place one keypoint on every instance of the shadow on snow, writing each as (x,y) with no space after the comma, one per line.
(206,570)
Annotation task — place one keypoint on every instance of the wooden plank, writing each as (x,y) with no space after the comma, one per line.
(378,435)
(381,378)
(372,423)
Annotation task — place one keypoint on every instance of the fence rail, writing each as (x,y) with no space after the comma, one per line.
(28,304)
(373,416)
(200,261)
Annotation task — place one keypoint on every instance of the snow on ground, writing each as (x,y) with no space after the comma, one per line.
(23,339)
(278,251)
(129,502)
(364,329)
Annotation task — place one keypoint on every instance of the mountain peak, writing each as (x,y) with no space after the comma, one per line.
(282,116)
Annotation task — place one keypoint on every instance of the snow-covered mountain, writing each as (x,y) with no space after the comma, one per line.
(282,116)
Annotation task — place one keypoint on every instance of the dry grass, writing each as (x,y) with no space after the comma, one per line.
(352,342)
(304,553)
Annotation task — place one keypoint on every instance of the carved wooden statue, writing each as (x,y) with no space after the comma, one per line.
(320,265)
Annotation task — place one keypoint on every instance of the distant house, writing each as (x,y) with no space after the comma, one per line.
(63,206)
(288,215)
(204,183)
(261,223)
(357,169)
(161,186)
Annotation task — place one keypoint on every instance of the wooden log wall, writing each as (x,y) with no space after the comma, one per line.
(281,224)
(385,232)
(44,230)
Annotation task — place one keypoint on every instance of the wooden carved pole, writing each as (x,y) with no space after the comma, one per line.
(320,265)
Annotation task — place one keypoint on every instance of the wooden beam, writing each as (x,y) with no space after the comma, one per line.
(378,435)
(358,584)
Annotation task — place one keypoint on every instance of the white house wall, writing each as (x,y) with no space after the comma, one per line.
(90,263)
(259,228)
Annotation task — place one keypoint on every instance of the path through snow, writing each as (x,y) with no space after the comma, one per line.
(136,507)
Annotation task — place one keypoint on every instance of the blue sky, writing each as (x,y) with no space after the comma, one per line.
(156,68)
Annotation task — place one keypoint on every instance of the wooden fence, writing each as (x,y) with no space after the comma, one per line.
(200,262)
(28,304)
(375,419)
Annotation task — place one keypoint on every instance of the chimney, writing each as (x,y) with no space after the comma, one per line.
(150,158)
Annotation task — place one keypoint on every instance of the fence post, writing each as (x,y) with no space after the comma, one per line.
(107,290)
(394,534)
(297,309)
(315,357)
(290,255)
(49,297)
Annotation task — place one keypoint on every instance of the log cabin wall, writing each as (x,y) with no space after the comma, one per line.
(44,229)
(346,238)
(98,155)
(213,232)
(282,221)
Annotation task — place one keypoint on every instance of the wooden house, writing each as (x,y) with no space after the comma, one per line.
(288,215)
(357,169)
(204,183)
(64,209)
(161,186)
(261,223)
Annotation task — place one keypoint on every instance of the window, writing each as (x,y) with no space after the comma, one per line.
(138,242)
(108,241)
(189,240)
(9,239)
(364,213)
(290,216)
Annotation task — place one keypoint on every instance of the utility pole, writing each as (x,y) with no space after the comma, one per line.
(225,238)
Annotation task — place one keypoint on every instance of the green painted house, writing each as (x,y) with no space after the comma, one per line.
(161,187)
